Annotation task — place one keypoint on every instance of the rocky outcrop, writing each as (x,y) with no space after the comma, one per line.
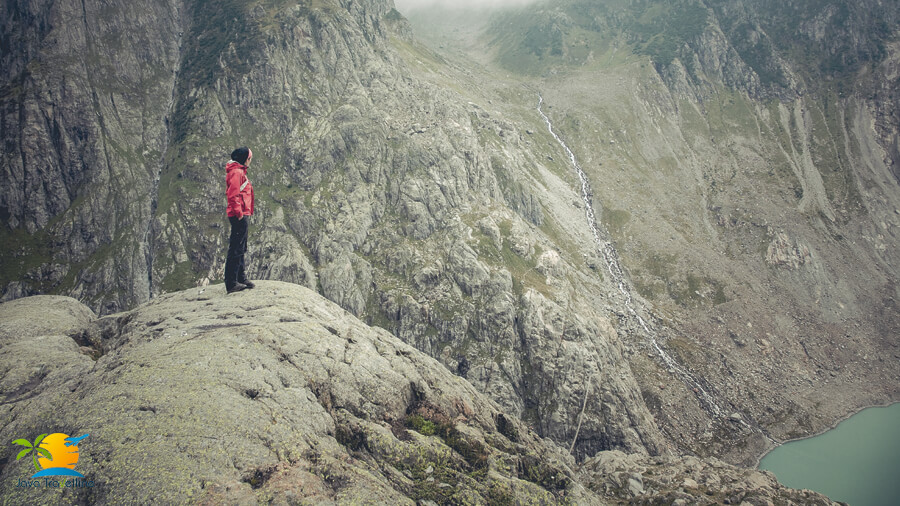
(631,479)
(782,252)
(279,396)
(275,394)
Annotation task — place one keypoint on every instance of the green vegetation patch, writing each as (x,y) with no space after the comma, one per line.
(663,28)
(21,252)
(686,351)
(419,424)
(659,277)
(417,55)
(431,484)
(615,220)
(530,41)
(474,453)
(535,470)
(181,278)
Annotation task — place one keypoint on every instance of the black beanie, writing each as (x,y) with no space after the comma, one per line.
(240,155)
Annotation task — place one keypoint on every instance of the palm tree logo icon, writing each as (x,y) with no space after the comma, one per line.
(52,455)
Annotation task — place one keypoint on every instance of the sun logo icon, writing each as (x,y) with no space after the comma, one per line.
(52,455)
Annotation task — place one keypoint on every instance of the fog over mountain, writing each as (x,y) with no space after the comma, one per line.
(408,6)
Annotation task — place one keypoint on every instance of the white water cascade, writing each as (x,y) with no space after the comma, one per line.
(610,257)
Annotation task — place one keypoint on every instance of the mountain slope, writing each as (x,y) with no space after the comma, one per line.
(84,108)
(400,199)
(743,166)
(748,202)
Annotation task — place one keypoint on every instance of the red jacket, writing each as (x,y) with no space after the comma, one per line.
(238,190)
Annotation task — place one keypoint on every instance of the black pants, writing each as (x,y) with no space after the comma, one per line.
(237,246)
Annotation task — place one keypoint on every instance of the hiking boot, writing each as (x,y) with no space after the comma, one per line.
(249,284)
(236,288)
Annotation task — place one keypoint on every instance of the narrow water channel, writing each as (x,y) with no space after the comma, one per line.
(857,462)
(610,257)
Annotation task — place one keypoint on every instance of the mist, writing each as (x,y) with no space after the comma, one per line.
(406,6)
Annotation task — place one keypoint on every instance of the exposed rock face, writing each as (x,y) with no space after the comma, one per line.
(270,394)
(706,129)
(83,114)
(783,253)
(279,396)
(370,182)
(633,479)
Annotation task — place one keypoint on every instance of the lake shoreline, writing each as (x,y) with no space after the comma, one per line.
(831,427)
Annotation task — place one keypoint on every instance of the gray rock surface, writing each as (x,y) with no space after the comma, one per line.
(278,396)
(370,181)
(633,479)
(84,102)
(783,253)
(701,145)
(421,192)
(274,394)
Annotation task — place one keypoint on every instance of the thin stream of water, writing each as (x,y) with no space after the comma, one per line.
(610,257)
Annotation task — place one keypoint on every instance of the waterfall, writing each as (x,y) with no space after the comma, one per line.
(608,252)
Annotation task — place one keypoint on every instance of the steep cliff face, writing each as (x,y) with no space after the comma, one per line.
(408,201)
(742,157)
(85,98)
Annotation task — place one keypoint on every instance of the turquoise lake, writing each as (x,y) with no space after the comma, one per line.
(857,462)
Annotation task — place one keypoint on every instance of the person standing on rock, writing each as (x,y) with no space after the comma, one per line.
(239,193)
